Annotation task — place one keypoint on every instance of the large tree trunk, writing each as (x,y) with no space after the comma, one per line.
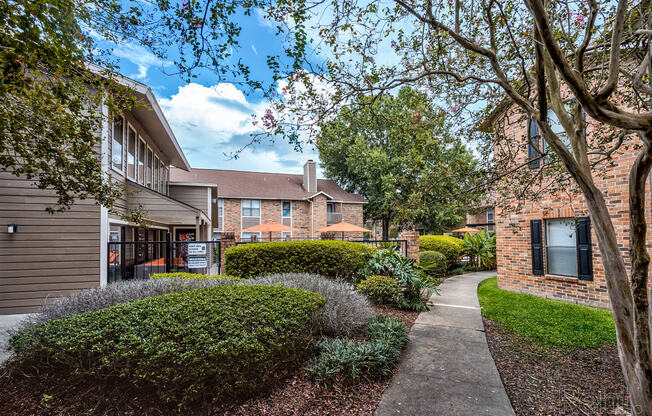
(385,222)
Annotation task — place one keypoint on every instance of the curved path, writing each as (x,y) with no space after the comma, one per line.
(447,368)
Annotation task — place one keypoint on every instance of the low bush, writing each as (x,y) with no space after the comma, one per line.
(416,286)
(114,294)
(434,263)
(346,313)
(383,290)
(451,247)
(347,361)
(331,259)
(213,343)
(184,275)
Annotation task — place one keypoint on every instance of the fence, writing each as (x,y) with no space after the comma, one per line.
(400,245)
(140,259)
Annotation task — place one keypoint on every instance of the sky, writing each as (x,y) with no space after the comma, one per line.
(212,120)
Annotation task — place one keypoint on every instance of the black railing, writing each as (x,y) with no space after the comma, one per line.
(140,259)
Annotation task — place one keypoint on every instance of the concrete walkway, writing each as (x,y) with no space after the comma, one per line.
(447,368)
(7,322)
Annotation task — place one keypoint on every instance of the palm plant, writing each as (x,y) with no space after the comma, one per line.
(481,248)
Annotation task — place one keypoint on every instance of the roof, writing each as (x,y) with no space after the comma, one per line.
(263,185)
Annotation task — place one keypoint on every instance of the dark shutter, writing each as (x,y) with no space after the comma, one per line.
(533,144)
(537,247)
(584,254)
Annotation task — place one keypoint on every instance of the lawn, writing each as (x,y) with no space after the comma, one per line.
(547,321)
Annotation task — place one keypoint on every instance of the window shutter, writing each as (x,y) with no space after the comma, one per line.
(584,254)
(533,144)
(537,247)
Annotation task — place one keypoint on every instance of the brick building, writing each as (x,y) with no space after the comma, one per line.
(548,248)
(303,202)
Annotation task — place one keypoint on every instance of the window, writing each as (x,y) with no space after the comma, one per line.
(220,207)
(116,143)
(286,208)
(131,154)
(330,208)
(142,151)
(151,168)
(217,236)
(156,171)
(286,235)
(251,208)
(250,237)
(561,247)
(538,145)
(490,220)
(164,180)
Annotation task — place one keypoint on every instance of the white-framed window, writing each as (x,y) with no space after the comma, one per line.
(286,209)
(117,141)
(217,236)
(250,237)
(490,220)
(150,169)
(561,247)
(142,154)
(156,171)
(220,207)
(164,180)
(251,208)
(286,235)
(131,152)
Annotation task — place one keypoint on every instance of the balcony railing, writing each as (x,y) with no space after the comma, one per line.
(333,218)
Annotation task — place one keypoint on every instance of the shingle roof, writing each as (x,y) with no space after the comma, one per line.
(263,185)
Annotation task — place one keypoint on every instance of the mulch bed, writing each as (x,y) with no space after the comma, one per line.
(548,380)
(52,394)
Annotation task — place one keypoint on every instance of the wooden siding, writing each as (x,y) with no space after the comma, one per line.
(51,254)
(196,196)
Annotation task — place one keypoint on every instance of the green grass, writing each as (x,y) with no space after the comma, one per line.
(546,321)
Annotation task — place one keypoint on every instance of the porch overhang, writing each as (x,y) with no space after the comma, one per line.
(162,209)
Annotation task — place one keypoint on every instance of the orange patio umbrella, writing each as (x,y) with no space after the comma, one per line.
(343,227)
(269,227)
(465,230)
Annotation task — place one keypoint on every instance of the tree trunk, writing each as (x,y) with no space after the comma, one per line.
(385,235)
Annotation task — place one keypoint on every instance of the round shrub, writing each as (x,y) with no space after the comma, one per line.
(331,259)
(434,263)
(346,313)
(113,294)
(380,289)
(219,343)
(451,247)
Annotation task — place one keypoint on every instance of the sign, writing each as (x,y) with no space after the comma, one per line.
(195,249)
(197,262)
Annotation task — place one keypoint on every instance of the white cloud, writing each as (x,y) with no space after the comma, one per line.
(253,48)
(210,122)
(140,57)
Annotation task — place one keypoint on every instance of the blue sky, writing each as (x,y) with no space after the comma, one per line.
(210,118)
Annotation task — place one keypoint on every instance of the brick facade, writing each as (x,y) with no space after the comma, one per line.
(302,220)
(514,249)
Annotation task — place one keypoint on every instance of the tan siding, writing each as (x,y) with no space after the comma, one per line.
(51,254)
(196,196)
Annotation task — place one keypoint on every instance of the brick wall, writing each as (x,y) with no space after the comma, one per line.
(352,213)
(301,216)
(514,256)
(412,238)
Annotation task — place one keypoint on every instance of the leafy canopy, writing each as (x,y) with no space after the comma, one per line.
(398,153)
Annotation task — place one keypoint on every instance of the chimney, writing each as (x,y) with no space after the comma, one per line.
(310,176)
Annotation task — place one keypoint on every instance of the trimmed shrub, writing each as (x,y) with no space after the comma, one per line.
(114,294)
(381,289)
(331,259)
(434,263)
(213,343)
(346,361)
(346,313)
(451,247)
(184,275)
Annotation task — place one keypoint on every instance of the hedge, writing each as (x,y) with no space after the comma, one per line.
(185,275)
(451,247)
(221,343)
(331,259)
(434,263)
(382,290)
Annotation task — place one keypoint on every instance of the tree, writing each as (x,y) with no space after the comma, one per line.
(396,151)
(50,95)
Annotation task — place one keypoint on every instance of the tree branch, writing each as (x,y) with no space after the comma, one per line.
(614,56)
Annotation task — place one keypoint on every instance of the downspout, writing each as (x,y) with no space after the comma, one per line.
(312,219)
